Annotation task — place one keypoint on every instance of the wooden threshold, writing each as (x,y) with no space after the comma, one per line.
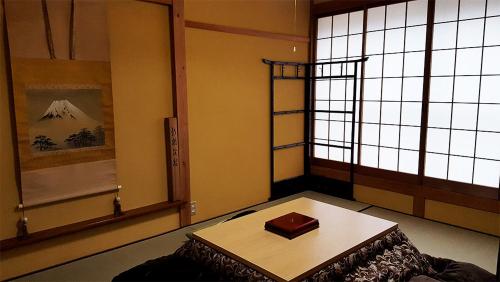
(246,31)
(51,233)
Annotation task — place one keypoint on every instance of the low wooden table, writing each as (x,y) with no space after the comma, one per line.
(340,232)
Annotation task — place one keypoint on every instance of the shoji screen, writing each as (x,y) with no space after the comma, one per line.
(463,142)
(339,38)
(395,45)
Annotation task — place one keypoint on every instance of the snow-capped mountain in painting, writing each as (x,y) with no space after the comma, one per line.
(65,126)
(62,109)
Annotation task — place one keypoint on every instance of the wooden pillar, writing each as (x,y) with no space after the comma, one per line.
(179,81)
(419,199)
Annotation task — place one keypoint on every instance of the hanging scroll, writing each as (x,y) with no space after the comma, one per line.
(63,102)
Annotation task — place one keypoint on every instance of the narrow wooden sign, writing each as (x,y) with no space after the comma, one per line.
(172,151)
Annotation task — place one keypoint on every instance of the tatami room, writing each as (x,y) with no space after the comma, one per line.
(250,140)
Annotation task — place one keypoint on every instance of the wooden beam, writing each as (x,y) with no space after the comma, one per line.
(407,178)
(246,31)
(362,84)
(460,199)
(344,6)
(419,202)
(313,31)
(423,191)
(51,233)
(161,2)
(179,81)
(462,188)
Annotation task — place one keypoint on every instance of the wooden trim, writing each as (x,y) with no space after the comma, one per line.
(332,164)
(363,179)
(51,233)
(311,91)
(426,89)
(388,174)
(362,84)
(344,6)
(462,188)
(418,206)
(459,199)
(246,31)
(313,31)
(390,185)
(368,171)
(418,200)
(338,174)
(309,97)
(416,190)
(160,2)
(411,179)
(312,85)
(179,81)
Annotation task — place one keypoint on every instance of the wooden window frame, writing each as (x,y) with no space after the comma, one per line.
(419,186)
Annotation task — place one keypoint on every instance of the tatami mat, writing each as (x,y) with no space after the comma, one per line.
(429,237)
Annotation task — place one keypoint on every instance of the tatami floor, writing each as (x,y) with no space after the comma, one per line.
(429,237)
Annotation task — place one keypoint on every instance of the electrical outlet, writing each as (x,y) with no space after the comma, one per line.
(193,207)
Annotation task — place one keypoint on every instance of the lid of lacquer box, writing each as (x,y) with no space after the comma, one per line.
(292,222)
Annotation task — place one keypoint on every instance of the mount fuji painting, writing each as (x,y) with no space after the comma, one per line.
(64,119)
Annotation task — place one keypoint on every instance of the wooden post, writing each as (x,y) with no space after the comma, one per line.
(178,49)
(418,199)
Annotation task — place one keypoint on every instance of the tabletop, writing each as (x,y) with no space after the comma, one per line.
(341,231)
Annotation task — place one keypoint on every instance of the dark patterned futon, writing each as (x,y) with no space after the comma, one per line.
(390,258)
